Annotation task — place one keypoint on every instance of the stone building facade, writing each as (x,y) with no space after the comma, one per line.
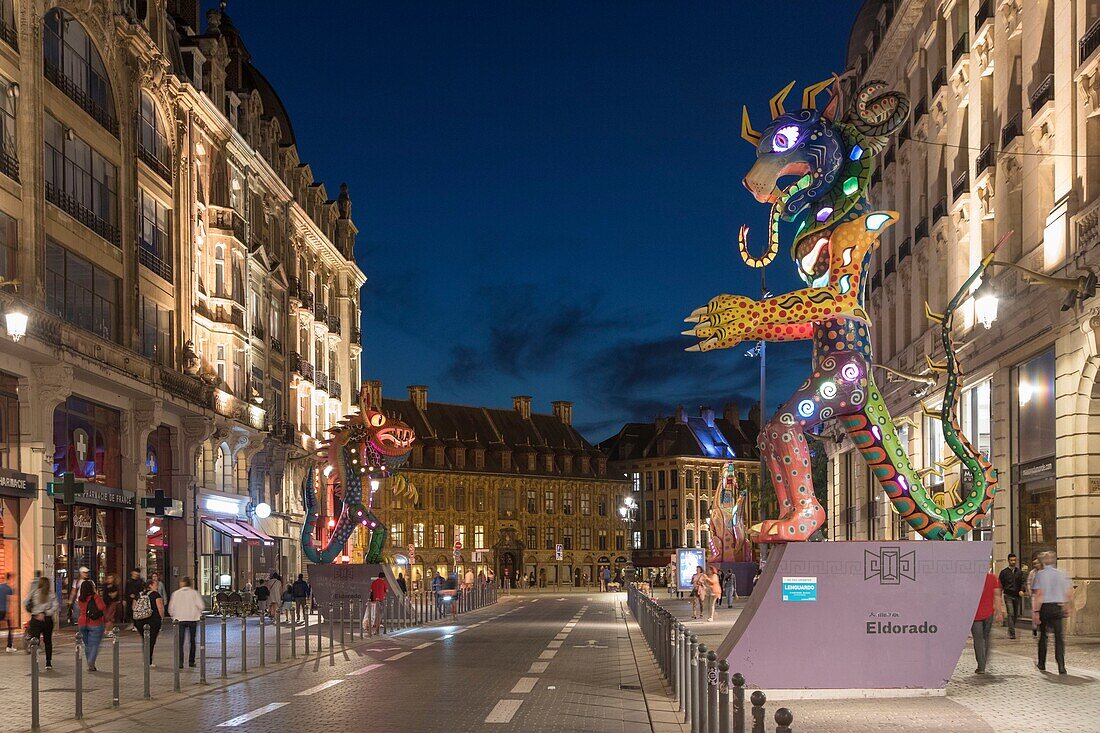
(674,465)
(1001,142)
(510,487)
(191,296)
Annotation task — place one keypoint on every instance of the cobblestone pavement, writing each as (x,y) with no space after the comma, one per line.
(1015,696)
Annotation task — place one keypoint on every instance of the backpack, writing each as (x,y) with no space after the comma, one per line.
(143,609)
(288,597)
(262,593)
(91,610)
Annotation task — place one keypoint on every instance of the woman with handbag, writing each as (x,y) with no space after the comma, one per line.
(698,592)
(93,621)
(41,604)
(148,612)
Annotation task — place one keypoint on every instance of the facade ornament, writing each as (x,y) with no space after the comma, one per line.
(191,361)
(985,197)
(1011,168)
(1090,86)
(1010,12)
(1042,136)
(343,202)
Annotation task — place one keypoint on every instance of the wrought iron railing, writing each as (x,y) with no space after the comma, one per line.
(1089,42)
(333,323)
(960,186)
(320,380)
(157,165)
(276,345)
(904,248)
(334,389)
(9,35)
(9,160)
(939,209)
(98,112)
(1011,130)
(962,47)
(921,230)
(1043,93)
(985,159)
(320,311)
(153,262)
(938,81)
(921,109)
(258,331)
(307,298)
(87,217)
(890,267)
(230,221)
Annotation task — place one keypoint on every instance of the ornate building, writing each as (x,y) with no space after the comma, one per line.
(517,492)
(1005,108)
(190,293)
(674,465)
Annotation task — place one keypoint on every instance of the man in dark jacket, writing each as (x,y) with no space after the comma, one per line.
(1012,585)
(300,590)
(135,586)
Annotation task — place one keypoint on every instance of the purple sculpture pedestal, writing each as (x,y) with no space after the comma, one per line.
(858,619)
(342,583)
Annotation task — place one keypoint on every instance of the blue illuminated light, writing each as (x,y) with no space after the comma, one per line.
(825,213)
(806,408)
(876,221)
(857,152)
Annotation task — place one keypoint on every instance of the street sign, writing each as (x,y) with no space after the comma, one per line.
(558,551)
(412,552)
(458,546)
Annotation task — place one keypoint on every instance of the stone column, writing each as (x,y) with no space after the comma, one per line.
(196,430)
(48,387)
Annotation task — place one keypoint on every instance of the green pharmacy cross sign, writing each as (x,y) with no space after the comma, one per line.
(158,501)
(67,488)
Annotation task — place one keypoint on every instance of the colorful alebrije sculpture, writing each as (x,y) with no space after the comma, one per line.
(366,447)
(836,230)
(729,540)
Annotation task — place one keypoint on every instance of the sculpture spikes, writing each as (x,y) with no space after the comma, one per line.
(749,134)
(809,94)
(776,102)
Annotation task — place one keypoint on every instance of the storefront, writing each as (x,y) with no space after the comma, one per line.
(1033,474)
(17,490)
(164,529)
(233,554)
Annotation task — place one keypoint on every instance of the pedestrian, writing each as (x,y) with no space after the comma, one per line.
(92,621)
(713,591)
(1012,584)
(73,609)
(41,604)
(287,604)
(262,594)
(1052,596)
(605,578)
(274,594)
(698,591)
(989,609)
(450,590)
(186,607)
(1036,566)
(401,583)
(437,590)
(159,586)
(730,587)
(372,620)
(112,596)
(300,589)
(148,615)
(135,586)
(6,593)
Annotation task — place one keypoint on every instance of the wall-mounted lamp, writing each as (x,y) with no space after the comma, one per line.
(16,322)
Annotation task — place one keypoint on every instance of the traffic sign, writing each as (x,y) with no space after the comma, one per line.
(412,552)
(458,545)
(558,551)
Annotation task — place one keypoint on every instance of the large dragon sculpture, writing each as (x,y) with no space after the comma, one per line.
(830,153)
(366,447)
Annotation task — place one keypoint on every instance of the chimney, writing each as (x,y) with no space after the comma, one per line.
(563,411)
(371,391)
(418,395)
(732,413)
(522,405)
(708,416)
(754,415)
(681,416)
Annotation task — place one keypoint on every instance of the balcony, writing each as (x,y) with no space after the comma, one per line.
(300,366)
(155,164)
(890,156)
(228,220)
(960,186)
(334,390)
(276,345)
(284,431)
(876,281)
(985,159)
(222,314)
(890,267)
(185,386)
(921,230)
(149,256)
(320,380)
(227,405)
(1011,131)
(903,249)
(1043,93)
(9,160)
(984,14)
(1089,42)
(903,133)
(9,35)
(356,335)
(938,82)
(921,109)
(939,210)
(293,288)
(258,331)
(334,323)
(320,312)
(76,210)
(962,47)
(70,89)
(307,299)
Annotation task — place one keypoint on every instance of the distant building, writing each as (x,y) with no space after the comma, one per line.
(509,486)
(673,464)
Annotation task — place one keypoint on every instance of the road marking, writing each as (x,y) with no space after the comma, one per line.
(538,667)
(504,711)
(445,636)
(240,719)
(525,684)
(425,645)
(553,645)
(548,654)
(319,688)
(398,656)
(364,670)
(559,637)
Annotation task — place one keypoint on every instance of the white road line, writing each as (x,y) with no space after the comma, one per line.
(241,719)
(548,654)
(553,645)
(504,711)
(559,637)
(425,645)
(364,670)
(538,667)
(525,685)
(445,636)
(319,688)
(395,657)
(459,631)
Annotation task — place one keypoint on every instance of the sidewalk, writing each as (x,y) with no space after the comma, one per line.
(1014,696)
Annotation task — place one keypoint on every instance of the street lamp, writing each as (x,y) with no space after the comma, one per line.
(1079,289)
(985,304)
(16,322)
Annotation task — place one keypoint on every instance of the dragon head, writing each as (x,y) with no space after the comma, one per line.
(389,437)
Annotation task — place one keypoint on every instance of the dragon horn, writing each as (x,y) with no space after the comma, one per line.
(749,134)
(932,315)
(776,102)
(809,94)
(935,366)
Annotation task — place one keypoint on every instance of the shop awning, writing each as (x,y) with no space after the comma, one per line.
(239,531)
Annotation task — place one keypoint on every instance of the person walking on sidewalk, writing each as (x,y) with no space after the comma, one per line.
(92,621)
(186,607)
(1036,566)
(148,614)
(6,593)
(1012,584)
(300,589)
(112,596)
(731,588)
(713,591)
(989,608)
(372,621)
(73,609)
(41,604)
(1052,595)
(605,578)
(698,591)
(274,595)
(135,586)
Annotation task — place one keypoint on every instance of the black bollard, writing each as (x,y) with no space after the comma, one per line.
(177,661)
(279,636)
(34,643)
(244,643)
(331,636)
(263,644)
(225,651)
(305,632)
(712,692)
(689,682)
(78,692)
(115,697)
(202,650)
(343,622)
(783,720)
(701,689)
(738,703)
(145,659)
(758,699)
(724,696)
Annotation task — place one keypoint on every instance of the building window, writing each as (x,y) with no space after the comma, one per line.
(649,539)
(933,450)
(674,480)
(479,500)
(74,66)
(620,540)
(152,140)
(397,534)
(532,502)
(81,293)
(479,536)
(439,499)
(548,502)
(637,540)
(702,538)
(601,505)
(9,425)
(460,499)
(567,503)
(586,503)
(648,509)
(532,537)
(550,541)
(649,481)
(586,538)
(87,441)
(689,480)
(219,274)
(663,535)
(439,535)
(660,481)
(601,539)
(675,536)
(1033,409)
(661,509)
(460,534)
(675,507)
(9,244)
(155,329)
(689,510)
(704,510)
(9,151)
(567,538)
(690,538)
(80,181)
(636,481)
(506,503)
(418,534)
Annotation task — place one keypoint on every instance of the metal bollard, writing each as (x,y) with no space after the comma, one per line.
(244,644)
(738,703)
(279,636)
(693,681)
(343,623)
(115,697)
(684,684)
(34,643)
(202,650)
(783,720)
(701,689)
(225,645)
(723,696)
(758,699)
(294,639)
(320,630)
(331,636)
(177,662)
(712,692)
(145,659)
(306,632)
(263,644)
(356,619)
(78,696)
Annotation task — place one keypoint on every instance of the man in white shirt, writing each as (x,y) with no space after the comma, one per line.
(1051,595)
(187,607)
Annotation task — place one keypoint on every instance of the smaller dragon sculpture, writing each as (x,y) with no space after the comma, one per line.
(729,539)
(366,447)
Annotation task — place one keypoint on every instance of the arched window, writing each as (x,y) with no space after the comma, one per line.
(223,468)
(74,66)
(153,138)
(219,271)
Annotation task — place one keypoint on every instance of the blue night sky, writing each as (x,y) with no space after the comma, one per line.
(545,189)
